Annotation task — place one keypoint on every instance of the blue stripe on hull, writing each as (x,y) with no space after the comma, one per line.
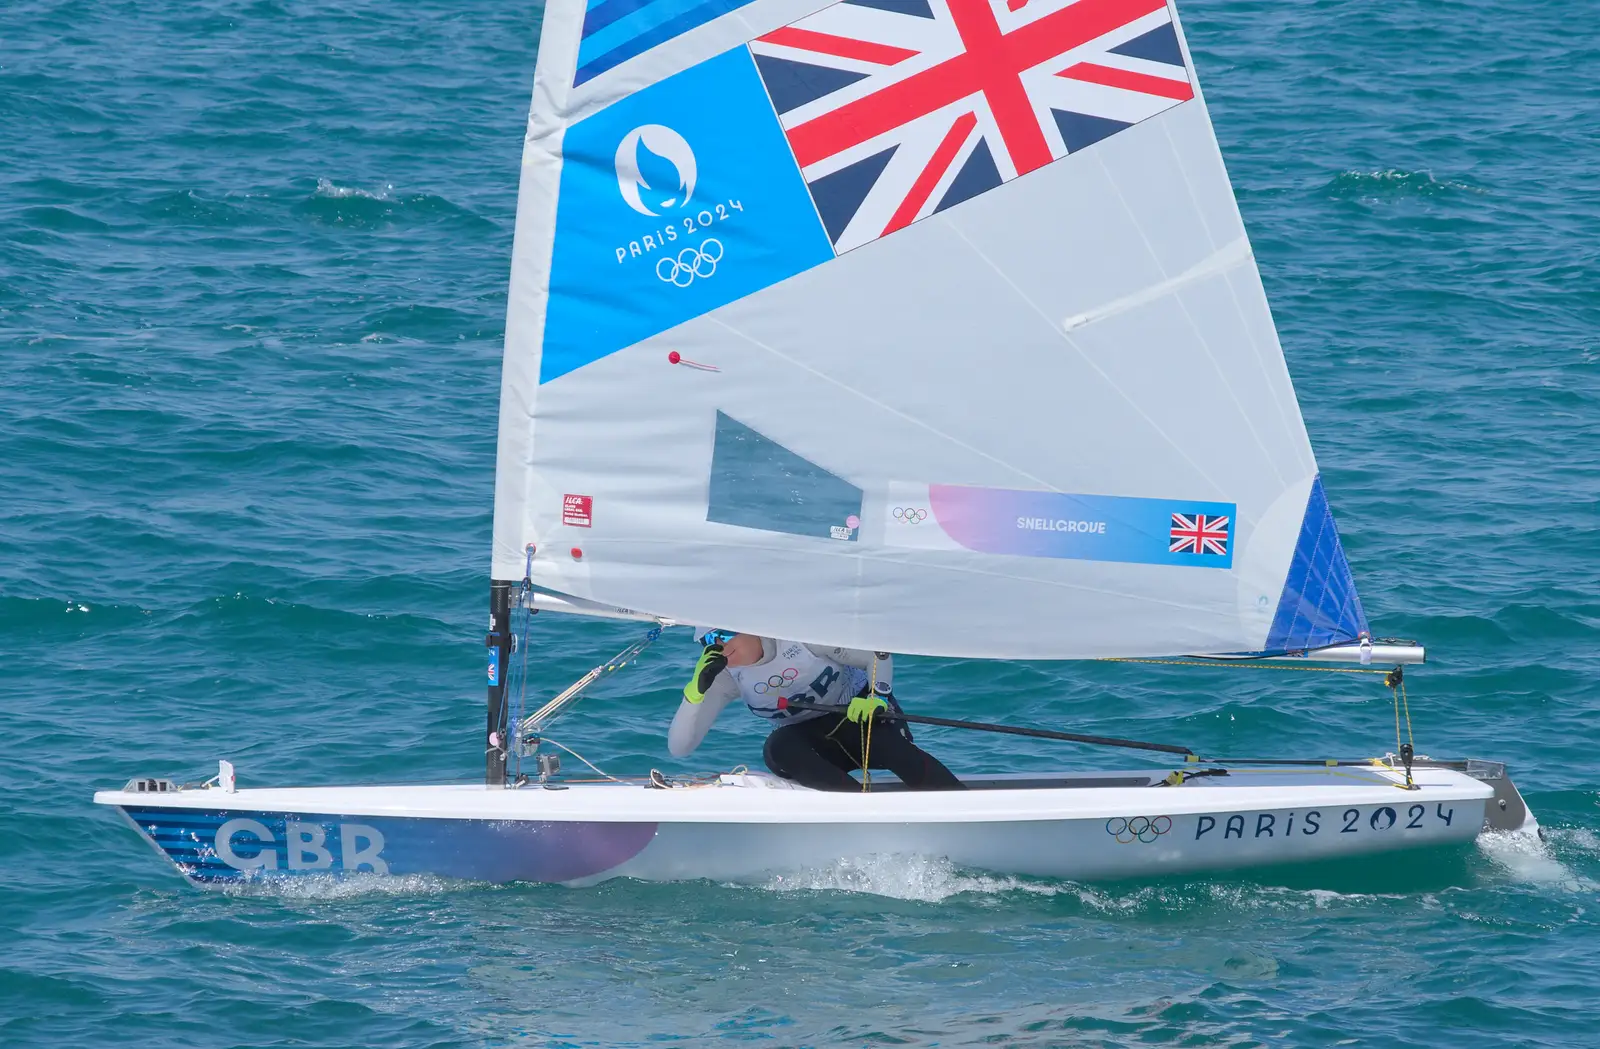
(216,845)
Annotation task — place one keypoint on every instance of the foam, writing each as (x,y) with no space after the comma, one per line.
(1528,858)
(904,878)
(338,887)
(328,189)
(928,880)
(1397,183)
(1576,839)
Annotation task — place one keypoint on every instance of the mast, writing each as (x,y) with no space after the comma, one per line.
(499,644)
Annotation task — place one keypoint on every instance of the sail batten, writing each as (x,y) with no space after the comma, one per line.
(805,341)
(1223,259)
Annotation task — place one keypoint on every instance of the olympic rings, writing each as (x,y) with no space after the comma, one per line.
(1127,829)
(777,681)
(690,263)
(910,514)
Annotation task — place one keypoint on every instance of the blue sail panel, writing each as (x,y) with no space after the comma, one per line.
(617,30)
(1319,605)
(670,208)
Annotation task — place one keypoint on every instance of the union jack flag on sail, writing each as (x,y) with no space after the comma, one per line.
(1199,534)
(897,109)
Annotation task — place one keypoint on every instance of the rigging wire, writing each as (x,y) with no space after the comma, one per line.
(556,706)
(580,757)
(519,667)
(1396,680)
(524,728)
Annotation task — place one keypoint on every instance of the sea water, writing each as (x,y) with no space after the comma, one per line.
(253,262)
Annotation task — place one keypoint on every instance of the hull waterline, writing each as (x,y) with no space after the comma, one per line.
(1090,826)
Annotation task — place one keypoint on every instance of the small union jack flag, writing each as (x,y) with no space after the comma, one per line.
(1199,534)
(897,109)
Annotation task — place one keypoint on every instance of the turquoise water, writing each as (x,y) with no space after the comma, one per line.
(252,270)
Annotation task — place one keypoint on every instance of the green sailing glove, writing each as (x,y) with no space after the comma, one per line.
(864,707)
(712,662)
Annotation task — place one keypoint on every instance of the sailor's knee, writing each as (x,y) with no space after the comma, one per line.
(771,753)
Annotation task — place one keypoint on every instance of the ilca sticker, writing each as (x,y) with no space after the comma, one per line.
(577,510)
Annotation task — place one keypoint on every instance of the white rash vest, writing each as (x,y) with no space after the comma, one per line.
(788,670)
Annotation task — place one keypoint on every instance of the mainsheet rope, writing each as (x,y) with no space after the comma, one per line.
(866,728)
(1394,679)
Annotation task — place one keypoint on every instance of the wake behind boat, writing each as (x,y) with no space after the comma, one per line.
(923,327)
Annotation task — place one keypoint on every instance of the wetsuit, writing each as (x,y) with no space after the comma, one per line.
(813,748)
(822,752)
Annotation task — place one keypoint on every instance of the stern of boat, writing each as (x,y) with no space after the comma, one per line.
(1505,812)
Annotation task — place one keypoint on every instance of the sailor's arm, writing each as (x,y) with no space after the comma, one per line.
(694,719)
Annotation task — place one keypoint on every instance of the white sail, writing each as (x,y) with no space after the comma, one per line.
(914,325)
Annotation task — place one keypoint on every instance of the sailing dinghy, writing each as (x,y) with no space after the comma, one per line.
(918,326)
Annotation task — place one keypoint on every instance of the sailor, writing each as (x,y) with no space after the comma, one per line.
(814,748)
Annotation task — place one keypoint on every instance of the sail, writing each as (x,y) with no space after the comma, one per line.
(912,325)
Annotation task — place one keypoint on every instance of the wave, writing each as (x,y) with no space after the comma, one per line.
(332,204)
(59,219)
(325,188)
(63,618)
(1391,184)
(421,323)
(189,208)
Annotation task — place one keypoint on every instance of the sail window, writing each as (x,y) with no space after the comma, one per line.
(758,483)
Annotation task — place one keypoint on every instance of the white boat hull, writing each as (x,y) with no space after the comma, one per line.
(1085,826)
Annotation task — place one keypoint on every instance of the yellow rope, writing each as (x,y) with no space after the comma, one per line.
(1396,720)
(1401,700)
(1407,704)
(1329,770)
(866,750)
(1242,666)
(866,728)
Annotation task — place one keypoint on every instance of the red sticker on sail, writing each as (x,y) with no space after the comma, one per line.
(577,510)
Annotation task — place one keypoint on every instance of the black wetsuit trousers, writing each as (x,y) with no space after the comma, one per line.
(823,751)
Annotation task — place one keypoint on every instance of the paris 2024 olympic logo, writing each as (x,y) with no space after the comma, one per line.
(660,177)
(656,175)
(777,681)
(1126,830)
